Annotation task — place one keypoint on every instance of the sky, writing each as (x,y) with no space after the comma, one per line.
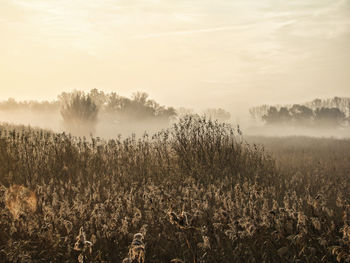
(190,53)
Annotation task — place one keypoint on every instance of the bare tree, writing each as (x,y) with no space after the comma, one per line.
(79,112)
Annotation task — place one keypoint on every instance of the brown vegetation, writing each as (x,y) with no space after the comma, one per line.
(20,200)
(195,193)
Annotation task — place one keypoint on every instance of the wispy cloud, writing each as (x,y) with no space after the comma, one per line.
(188,32)
(241,42)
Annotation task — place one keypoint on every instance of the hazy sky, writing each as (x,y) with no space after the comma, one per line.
(192,53)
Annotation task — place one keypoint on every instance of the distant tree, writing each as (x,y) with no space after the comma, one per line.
(115,103)
(329,117)
(10,104)
(140,98)
(44,106)
(316,103)
(272,116)
(258,112)
(79,112)
(98,97)
(138,108)
(284,115)
(332,112)
(301,114)
(337,101)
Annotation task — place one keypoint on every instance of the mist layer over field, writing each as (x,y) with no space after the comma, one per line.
(108,128)
(105,127)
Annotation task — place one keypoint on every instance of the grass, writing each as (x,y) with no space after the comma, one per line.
(198,192)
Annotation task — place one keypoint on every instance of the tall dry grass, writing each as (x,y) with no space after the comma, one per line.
(197,192)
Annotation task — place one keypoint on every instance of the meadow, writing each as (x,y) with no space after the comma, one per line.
(197,192)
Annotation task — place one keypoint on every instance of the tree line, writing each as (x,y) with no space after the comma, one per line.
(139,106)
(81,111)
(329,112)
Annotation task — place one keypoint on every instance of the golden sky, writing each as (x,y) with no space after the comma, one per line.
(192,53)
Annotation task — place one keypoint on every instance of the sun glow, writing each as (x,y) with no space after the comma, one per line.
(163,47)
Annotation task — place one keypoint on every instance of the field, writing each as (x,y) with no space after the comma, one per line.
(198,192)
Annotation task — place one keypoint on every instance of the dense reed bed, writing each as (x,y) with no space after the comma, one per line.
(197,192)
